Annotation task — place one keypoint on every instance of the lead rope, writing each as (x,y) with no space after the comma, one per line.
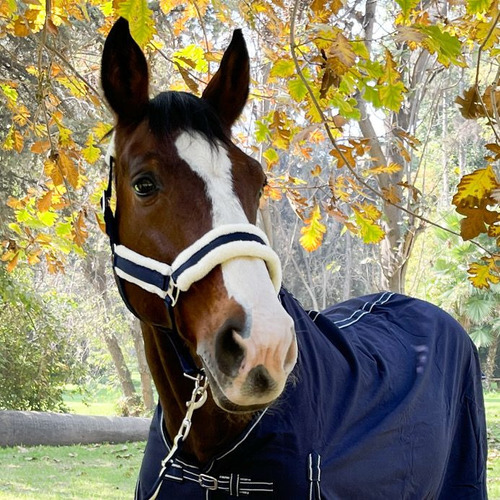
(198,398)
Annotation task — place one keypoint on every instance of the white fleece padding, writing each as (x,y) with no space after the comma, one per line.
(218,255)
(229,251)
(212,235)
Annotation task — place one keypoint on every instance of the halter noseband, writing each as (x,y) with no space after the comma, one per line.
(214,248)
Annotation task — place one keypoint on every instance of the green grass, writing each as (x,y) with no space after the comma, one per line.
(109,472)
(104,472)
(492,402)
(102,400)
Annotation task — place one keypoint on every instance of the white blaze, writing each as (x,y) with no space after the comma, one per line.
(246,279)
(213,165)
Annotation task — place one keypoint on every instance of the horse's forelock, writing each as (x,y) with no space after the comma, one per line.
(174,112)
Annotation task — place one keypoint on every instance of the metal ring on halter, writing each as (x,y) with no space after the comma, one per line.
(172,293)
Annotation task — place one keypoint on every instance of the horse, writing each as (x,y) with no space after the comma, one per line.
(377,397)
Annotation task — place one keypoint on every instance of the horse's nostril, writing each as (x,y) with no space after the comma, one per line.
(229,353)
(259,380)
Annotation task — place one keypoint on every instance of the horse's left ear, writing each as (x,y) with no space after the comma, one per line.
(227,91)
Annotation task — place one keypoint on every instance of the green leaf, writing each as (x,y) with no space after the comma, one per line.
(283,68)
(262,131)
(482,337)
(369,230)
(297,89)
(140,18)
(407,5)
(447,47)
(15,227)
(372,94)
(9,92)
(359,48)
(479,309)
(47,218)
(347,107)
(391,96)
(191,57)
(63,229)
(478,6)
(271,156)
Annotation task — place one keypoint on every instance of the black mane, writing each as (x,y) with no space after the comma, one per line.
(172,112)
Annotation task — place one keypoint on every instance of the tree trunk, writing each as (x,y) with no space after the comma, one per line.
(489,368)
(34,428)
(346,290)
(95,271)
(444,201)
(132,400)
(146,379)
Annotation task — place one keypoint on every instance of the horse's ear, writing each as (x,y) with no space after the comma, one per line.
(124,74)
(228,89)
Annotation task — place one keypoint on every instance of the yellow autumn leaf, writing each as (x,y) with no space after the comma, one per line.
(45,202)
(475,186)
(391,168)
(68,168)
(51,169)
(370,211)
(481,275)
(313,231)
(11,265)
(140,18)
(91,153)
(369,230)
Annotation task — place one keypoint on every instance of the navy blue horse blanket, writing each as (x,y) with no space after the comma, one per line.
(385,402)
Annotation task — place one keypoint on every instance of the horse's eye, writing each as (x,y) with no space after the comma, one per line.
(261,192)
(144,186)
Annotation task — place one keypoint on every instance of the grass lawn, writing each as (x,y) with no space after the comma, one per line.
(492,402)
(109,472)
(104,472)
(102,401)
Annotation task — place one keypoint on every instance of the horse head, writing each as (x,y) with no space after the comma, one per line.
(180,180)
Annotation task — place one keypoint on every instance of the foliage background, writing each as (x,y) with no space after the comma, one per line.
(375,121)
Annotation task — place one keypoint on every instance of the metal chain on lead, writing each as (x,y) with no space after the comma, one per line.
(198,398)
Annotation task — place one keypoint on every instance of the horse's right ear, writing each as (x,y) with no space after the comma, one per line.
(124,74)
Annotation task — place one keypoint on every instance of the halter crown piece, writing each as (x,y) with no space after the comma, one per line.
(193,263)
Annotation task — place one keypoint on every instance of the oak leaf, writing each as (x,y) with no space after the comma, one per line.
(475,187)
(140,18)
(483,275)
(391,194)
(80,233)
(368,229)
(45,202)
(91,153)
(469,105)
(313,231)
(391,168)
(475,221)
(68,168)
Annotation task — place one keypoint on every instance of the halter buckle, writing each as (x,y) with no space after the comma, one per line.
(172,293)
(208,482)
